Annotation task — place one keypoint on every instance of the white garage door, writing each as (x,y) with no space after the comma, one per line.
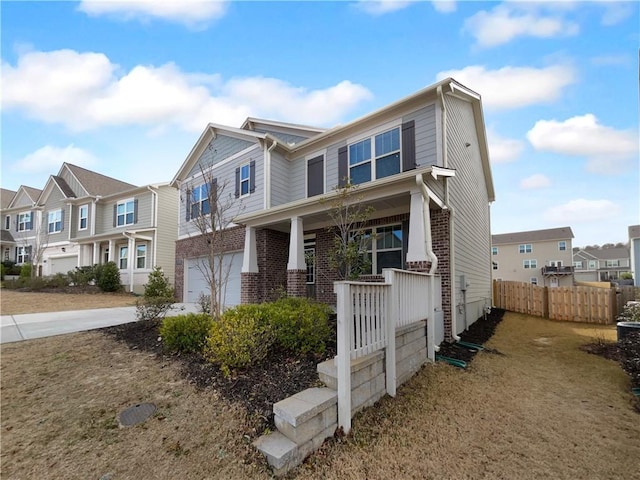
(62,264)
(196,283)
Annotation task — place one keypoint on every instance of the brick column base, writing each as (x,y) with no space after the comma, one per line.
(249,287)
(422,266)
(297,283)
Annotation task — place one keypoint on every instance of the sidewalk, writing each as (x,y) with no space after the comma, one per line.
(14,328)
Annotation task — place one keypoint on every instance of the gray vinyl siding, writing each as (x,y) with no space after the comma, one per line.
(75,232)
(297,177)
(104,213)
(22,200)
(225,175)
(469,198)
(219,149)
(426,131)
(56,201)
(75,186)
(166,233)
(332,165)
(285,137)
(280,184)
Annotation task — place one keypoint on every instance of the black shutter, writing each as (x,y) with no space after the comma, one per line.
(17,222)
(213,196)
(30,224)
(237,182)
(252,176)
(408,145)
(315,176)
(115,214)
(343,167)
(135,210)
(188,202)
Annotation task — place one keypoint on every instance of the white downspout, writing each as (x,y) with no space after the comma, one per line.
(428,239)
(267,174)
(154,205)
(452,262)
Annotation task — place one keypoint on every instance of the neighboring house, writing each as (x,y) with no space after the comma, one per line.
(634,251)
(7,242)
(422,163)
(83,218)
(541,257)
(601,264)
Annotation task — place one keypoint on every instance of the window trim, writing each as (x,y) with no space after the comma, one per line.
(562,246)
(56,220)
(242,180)
(26,254)
(494,250)
(124,215)
(25,223)
(374,156)
(525,248)
(85,218)
(530,264)
(373,252)
(310,253)
(307,159)
(533,280)
(206,198)
(124,248)
(7,222)
(138,257)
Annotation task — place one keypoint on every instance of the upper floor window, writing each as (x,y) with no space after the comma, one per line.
(141,255)
(612,263)
(525,248)
(54,221)
(83,217)
(530,264)
(384,160)
(200,203)
(24,222)
(494,250)
(125,213)
(577,265)
(562,246)
(7,222)
(593,264)
(246,179)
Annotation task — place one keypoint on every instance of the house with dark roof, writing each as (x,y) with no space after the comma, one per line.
(421,163)
(540,257)
(83,218)
(604,264)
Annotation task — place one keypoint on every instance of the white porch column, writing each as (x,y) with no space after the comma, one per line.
(131,255)
(296,245)
(416,250)
(96,253)
(110,257)
(250,257)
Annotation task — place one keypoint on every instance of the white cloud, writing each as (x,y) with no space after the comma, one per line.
(581,211)
(444,6)
(380,7)
(503,150)
(535,181)
(508,21)
(612,60)
(616,12)
(85,91)
(50,158)
(608,150)
(514,87)
(192,13)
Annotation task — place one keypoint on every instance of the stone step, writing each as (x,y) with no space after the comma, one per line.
(362,370)
(281,453)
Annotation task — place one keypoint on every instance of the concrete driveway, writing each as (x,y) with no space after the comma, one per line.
(14,328)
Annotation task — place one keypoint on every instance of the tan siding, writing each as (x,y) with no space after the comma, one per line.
(75,232)
(104,213)
(56,201)
(469,198)
(167,231)
(22,200)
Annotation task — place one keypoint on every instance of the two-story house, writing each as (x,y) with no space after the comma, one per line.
(422,163)
(540,257)
(634,253)
(601,264)
(21,221)
(84,218)
(7,242)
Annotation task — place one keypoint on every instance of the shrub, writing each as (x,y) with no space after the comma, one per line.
(2,269)
(158,297)
(25,270)
(299,324)
(82,276)
(204,302)
(10,268)
(186,333)
(241,337)
(108,277)
(59,280)
(630,313)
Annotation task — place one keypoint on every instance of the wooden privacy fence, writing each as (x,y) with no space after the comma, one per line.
(574,304)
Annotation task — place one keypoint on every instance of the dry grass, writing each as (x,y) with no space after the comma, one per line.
(13,302)
(543,410)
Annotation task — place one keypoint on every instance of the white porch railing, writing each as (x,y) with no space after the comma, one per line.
(368,315)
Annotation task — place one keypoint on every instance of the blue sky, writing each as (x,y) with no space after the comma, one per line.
(125,88)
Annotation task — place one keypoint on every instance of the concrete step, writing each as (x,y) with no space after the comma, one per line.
(281,453)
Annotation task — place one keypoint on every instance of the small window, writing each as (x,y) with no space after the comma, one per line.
(562,246)
(200,203)
(530,264)
(525,248)
(125,213)
(141,255)
(122,258)
(83,217)
(7,222)
(494,250)
(494,265)
(55,221)
(24,221)
(534,280)
(310,260)
(245,179)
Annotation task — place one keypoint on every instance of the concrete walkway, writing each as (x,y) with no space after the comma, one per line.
(14,328)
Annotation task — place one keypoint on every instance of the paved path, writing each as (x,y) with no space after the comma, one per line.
(14,328)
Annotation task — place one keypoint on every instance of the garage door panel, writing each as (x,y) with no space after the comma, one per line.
(196,282)
(62,264)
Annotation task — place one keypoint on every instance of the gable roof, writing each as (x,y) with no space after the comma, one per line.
(562,233)
(307,131)
(6,237)
(31,193)
(62,185)
(613,253)
(95,183)
(5,197)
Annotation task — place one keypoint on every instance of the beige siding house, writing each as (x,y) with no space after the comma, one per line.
(83,218)
(422,163)
(541,257)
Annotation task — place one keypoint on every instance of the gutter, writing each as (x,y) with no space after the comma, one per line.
(154,205)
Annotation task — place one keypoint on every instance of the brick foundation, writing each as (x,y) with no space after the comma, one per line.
(440,236)
(297,283)
(249,287)
(422,267)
